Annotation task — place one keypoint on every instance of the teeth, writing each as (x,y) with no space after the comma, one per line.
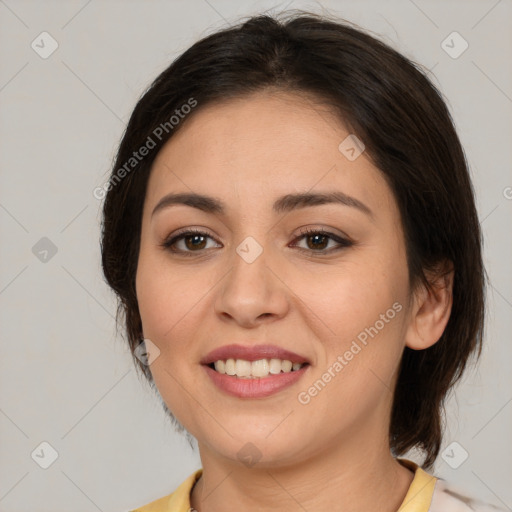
(287,366)
(255,369)
(260,368)
(230,367)
(242,368)
(220,366)
(275,366)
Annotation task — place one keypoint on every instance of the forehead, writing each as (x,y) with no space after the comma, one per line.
(257,124)
(262,146)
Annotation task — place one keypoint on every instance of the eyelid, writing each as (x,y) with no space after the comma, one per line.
(327,231)
(342,240)
(180,234)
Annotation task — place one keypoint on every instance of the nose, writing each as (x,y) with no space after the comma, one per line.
(252,292)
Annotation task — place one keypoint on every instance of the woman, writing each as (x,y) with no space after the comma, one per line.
(291,230)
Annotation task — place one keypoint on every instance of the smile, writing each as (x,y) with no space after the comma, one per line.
(269,377)
(245,369)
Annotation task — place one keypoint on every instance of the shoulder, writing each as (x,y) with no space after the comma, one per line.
(177,501)
(429,493)
(158,505)
(448,498)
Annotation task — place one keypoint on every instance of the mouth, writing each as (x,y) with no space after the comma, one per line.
(254,372)
(261,368)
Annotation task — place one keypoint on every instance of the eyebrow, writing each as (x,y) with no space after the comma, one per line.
(283,204)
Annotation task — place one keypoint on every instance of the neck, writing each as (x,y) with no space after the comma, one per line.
(350,477)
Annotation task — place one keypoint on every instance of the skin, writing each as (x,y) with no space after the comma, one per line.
(319,456)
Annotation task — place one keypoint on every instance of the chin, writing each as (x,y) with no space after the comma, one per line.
(256,448)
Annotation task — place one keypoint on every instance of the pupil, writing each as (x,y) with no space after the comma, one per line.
(316,237)
(194,237)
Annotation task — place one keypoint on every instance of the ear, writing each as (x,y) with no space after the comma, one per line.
(431,308)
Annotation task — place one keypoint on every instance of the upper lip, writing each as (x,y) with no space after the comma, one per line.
(252,353)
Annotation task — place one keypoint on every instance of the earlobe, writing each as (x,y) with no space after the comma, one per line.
(431,310)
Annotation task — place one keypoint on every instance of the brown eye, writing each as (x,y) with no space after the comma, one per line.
(187,242)
(195,242)
(318,240)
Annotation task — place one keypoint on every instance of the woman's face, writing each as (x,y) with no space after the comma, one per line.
(338,301)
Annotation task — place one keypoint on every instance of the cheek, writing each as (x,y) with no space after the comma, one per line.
(361,341)
(166,296)
(163,313)
(175,302)
(354,297)
(362,313)
(169,305)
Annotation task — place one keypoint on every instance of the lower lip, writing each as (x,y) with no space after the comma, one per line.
(254,388)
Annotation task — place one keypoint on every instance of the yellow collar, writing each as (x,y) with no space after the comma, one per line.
(178,501)
(421,490)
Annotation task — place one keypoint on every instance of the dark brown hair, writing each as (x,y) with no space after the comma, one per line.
(390,104)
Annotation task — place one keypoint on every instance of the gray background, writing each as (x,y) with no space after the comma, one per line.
(65,377)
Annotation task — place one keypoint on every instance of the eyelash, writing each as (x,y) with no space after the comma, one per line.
(343,242)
